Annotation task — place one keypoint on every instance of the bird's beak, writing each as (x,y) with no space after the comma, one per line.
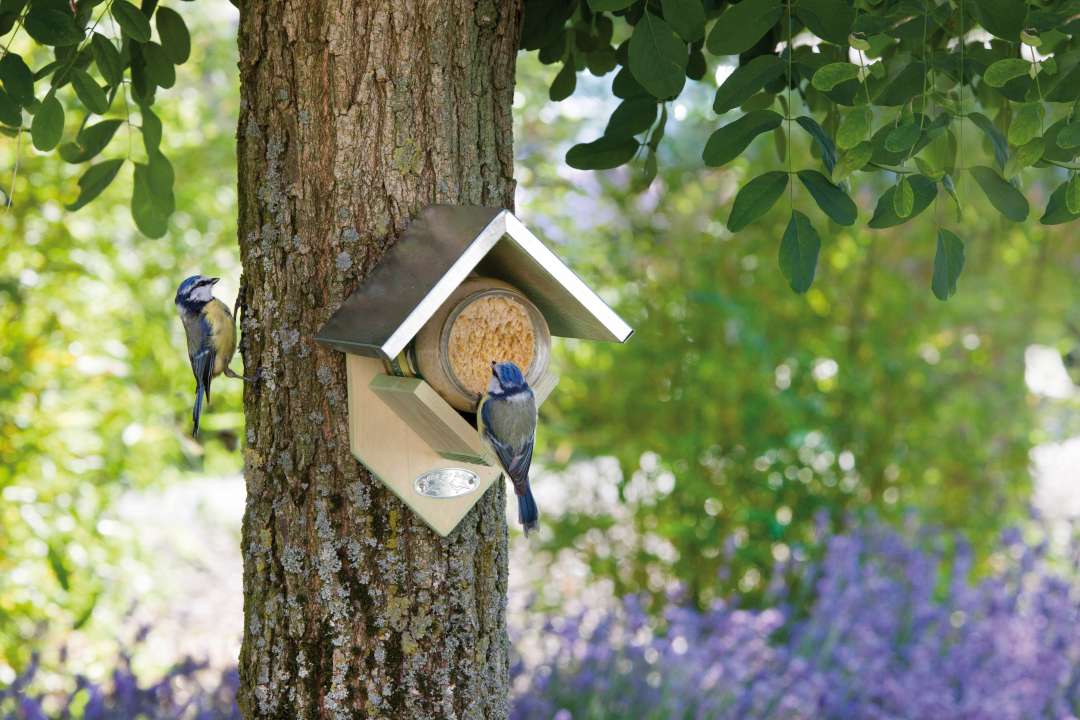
(493,369)
(214,281)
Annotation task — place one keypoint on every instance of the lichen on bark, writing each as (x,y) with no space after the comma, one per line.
(354,116)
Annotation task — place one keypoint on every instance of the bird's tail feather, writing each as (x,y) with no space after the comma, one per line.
(197,411)
(528,514)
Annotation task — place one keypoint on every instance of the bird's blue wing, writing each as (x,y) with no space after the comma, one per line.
(202,359)
(519,466)
(504,452)
(515,461)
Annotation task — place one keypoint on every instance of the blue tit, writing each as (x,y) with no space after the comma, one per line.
(506,419)
(211,337)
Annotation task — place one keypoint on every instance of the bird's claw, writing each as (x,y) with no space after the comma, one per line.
(229,372)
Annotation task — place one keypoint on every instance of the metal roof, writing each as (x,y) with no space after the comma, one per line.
(438,250)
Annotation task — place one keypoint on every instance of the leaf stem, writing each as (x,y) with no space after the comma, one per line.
(790,54)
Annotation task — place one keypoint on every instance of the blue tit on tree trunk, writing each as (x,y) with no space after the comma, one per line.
(211,337)
(506,419)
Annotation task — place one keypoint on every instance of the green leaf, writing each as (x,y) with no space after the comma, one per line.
(903,198)
(151,200)
(759,101)
(1026,123)
(151,130)
(948,264)
(1009,201)
(727,143)
(564,83)
(799,252)
(1005,70)
(1025,155)
(633,116)
(755,198)
(828,150)
(928,170)
(1067,88)
(10,114)
(17,79)
(997,140)
(89,142)
(851,160)
(601,61)
(48,125)
(745,81)
(159,67)
(742,25)
(885,215)
(907,84)
(828,19)
(625,86)
(90,93)
(174,35)
(648,172)
(1057,211)
(1054,152)
(658,57)
(1068,137)
(833,201)
(696,66)
(51,26)
(950,188)
(854,127)
(107,59)
(131,20)
(86,613)
(59,567)
(544,23)
(95,180)
(1004,18)
(903,137)
(687,17)
(609,5)
(829,76)
(161,178)
(940,153)
(1072,194)
(602,154)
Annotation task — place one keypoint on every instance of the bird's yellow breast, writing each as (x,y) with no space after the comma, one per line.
(222,333)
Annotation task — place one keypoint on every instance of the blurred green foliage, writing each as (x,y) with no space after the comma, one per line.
(739,410)
(95,388)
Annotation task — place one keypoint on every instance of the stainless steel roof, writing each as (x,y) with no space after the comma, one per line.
(437,251)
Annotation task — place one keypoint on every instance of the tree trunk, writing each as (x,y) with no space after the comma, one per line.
(354,115)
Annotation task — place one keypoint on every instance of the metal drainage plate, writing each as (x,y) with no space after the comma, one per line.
(446,483)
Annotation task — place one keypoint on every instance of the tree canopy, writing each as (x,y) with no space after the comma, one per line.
(877,87)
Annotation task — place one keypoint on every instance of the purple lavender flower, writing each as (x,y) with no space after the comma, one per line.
(882,637)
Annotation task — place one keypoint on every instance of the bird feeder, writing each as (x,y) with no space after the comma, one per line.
(463,286)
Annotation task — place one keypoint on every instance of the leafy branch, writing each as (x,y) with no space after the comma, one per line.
(882,84)
(50,92)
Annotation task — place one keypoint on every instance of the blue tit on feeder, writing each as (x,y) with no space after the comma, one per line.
(506,419)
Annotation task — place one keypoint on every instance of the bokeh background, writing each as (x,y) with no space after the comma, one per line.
(859,502)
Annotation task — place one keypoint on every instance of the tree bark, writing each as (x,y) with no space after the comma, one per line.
(354,115)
